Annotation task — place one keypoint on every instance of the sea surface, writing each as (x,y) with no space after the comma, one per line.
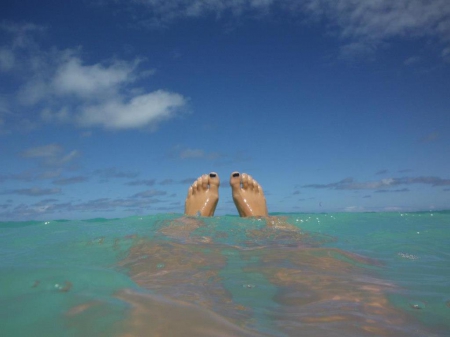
(341,274)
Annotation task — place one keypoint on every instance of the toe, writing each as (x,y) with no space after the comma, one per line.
(260,189)
(235,181)
(189,191)
(205,182)
(213,181)
(251,182)
(245,181)
(199,184)
(194,188)
(256,186)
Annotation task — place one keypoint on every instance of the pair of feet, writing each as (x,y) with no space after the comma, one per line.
(248,196)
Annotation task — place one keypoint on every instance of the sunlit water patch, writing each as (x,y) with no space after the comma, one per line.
(383,274)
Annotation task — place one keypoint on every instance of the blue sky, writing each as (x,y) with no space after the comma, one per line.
(112,108)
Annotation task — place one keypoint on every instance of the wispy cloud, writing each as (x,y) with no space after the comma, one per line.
(182,152)
(6,59)
(51,207)
(113,172)
(170,181)
(354,209)
(149,194)
(102,94)
(393,191)
(351,184)
(374,21)
(71,180)
(192,153)
(34,191)
(167,182)
(446,54)
(142,182)
(159,13)
(380,172)
(431,137)
(33,175)
(187,181)
(410,61)
(11,54)
(51,155)
(362,26)
(46,151)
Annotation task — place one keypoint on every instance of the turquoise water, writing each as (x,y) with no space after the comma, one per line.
(343,274)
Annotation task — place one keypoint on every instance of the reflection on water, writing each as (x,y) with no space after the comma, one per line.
(270,279)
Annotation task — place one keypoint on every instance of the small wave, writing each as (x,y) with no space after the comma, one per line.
(408,256)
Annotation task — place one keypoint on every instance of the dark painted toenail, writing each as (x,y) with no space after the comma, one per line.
(235,174)
(213,175)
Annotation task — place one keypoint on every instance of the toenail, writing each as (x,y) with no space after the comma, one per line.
(213,175)
(235,174)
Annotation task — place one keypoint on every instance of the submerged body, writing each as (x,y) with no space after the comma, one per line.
(382,274)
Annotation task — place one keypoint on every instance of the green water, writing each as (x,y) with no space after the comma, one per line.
(297,274)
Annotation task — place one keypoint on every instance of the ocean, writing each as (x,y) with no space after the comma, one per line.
(340,274)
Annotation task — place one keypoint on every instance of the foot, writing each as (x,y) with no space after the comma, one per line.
(248,195)
(203,196)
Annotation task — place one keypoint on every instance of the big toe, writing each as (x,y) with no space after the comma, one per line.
(214,182)
(235,181)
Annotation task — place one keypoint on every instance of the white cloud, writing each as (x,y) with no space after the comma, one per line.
(140,111)
(74,78)
(67,78)
(68,90)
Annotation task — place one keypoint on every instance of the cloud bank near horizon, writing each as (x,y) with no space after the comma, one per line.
(351,184)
